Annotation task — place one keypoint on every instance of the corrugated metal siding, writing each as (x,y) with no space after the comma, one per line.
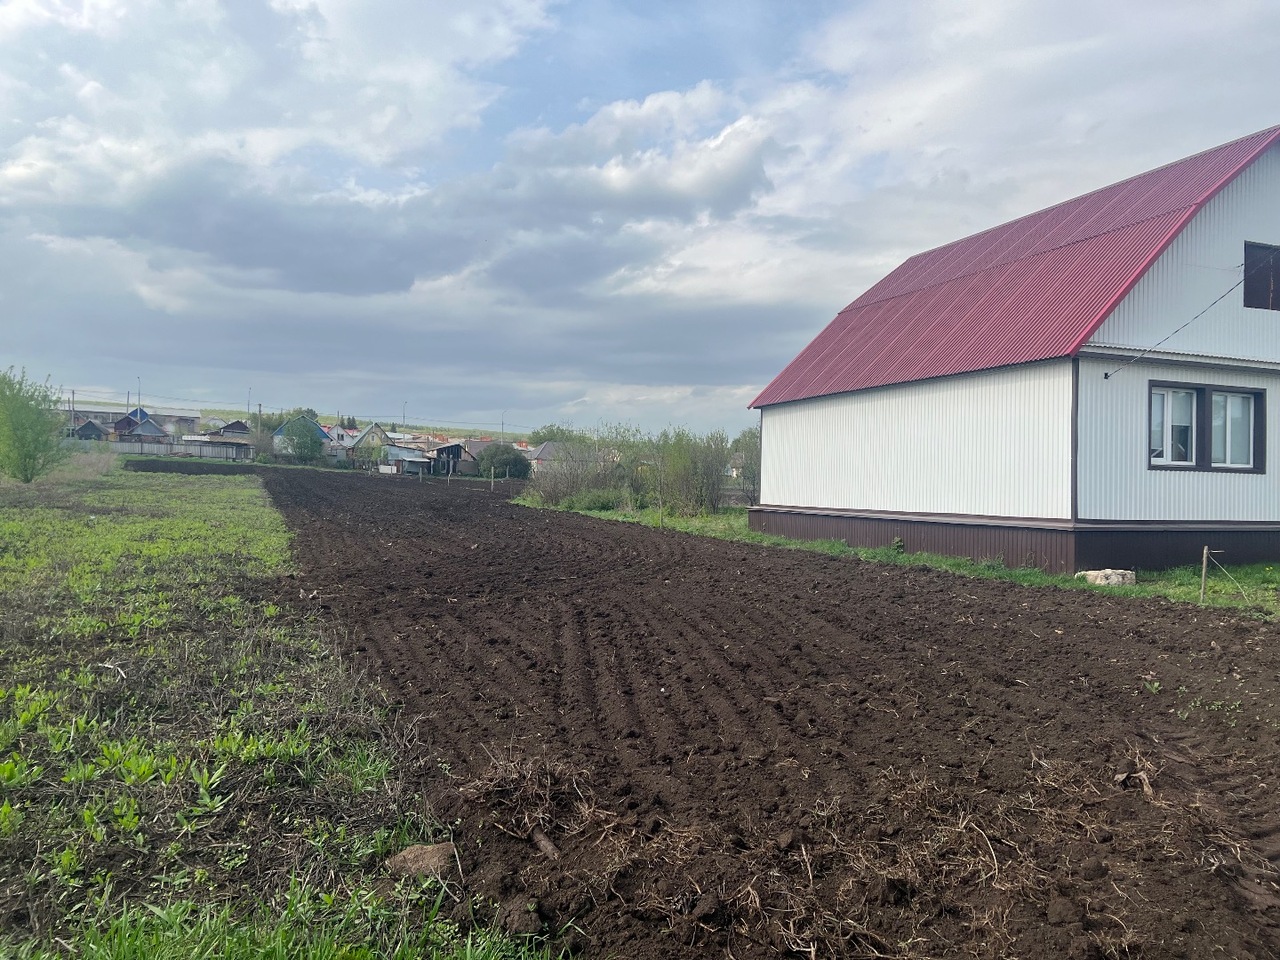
(1199,266)
(1028,290)
(1013,546)
(996,443)
(1114,482)
(1162,549)
(1058,551)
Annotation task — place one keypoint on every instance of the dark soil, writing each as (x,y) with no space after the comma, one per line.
(658,745)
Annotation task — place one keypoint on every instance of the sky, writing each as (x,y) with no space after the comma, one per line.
(497,214)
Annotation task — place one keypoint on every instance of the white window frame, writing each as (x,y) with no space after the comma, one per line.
(1167,394)
(1227,437)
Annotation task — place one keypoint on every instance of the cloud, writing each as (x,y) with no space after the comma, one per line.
(251,189)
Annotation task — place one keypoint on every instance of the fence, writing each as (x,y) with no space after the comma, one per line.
(208,449)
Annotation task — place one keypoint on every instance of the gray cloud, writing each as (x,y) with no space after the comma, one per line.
(256,197)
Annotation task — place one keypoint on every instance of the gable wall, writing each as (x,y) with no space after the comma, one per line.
(1197,268)
(996,443)
(1114,480)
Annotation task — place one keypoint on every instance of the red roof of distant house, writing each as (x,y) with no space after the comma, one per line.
(1032,289)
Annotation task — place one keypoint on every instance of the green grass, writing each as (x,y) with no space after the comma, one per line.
(1254,588)
(185,768)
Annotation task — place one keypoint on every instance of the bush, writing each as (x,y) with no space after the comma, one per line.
(503,460)
(31,427)
(596,500)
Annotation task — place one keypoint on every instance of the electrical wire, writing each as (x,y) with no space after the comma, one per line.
(1268,262)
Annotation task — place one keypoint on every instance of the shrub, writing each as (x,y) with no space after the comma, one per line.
(596,500)
(503,460)
(31,427)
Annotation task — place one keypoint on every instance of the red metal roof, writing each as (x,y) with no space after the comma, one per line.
(1032,289)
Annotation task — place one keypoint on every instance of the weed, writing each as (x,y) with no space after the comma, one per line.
(10,819)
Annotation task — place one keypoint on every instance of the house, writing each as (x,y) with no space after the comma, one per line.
(1086,386)
(547,452)
(145,430)
(236,429)
(368,443)
(282,442)
(172,420)
(122,426)
(341,435)
(90,430)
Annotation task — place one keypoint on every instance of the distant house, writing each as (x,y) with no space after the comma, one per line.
(341,435)
(90,430)
(547,452)
(1086,386)
(236,428)
(453,458)
(147,428)
(283,443)
(367,445)
(173,420)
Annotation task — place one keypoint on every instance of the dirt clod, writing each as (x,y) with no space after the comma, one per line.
(425,860)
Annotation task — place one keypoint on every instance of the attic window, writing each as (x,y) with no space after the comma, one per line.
(1261,276)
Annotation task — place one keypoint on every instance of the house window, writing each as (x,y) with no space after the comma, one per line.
(1261,273)
(1173,425)
(1201,427)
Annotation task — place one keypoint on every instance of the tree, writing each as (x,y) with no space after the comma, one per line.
(747,443)
(554,431)
(504,460)
(31,427)
(303,440)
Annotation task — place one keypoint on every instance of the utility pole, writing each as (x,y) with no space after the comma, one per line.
(139,398)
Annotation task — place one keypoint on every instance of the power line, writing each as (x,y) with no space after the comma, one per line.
(1243,277)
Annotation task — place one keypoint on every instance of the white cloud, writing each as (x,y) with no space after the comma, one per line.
(305,171)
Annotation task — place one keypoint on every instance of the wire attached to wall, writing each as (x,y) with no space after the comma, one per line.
(1226,293)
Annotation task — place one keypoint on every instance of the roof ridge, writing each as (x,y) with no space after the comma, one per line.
(1269,133)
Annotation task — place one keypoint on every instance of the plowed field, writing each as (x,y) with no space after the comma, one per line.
(666,746)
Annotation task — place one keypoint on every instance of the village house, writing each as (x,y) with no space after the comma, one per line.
(1086,386)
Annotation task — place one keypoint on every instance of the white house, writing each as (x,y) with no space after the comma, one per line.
(1085,386)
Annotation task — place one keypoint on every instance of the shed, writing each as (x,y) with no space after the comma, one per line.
(1084,386)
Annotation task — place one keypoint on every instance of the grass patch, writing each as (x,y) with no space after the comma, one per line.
(186,769)
(1252,588)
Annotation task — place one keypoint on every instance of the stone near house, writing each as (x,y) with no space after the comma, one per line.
(1109,577)
(424,860)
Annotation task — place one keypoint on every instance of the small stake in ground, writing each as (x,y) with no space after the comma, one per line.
(1204,571)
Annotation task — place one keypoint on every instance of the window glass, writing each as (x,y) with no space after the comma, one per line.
(1181,431)
(1240,429)
(1218,429)
(1157,425)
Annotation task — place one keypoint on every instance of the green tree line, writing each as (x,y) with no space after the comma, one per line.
(675,470)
